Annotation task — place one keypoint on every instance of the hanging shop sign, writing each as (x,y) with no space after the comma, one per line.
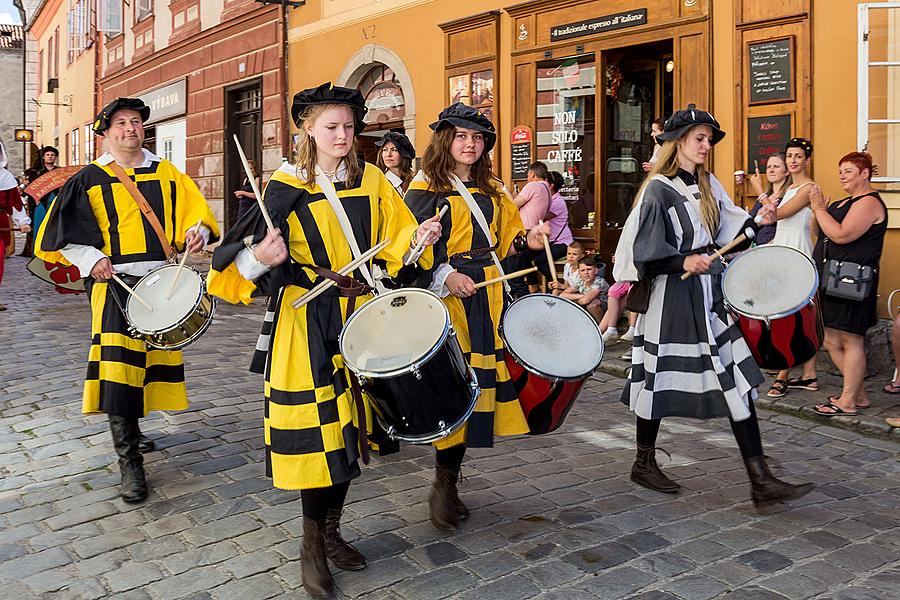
(629,18)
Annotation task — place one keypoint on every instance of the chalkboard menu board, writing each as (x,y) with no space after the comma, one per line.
(520,140)
(771,71)
(765,137)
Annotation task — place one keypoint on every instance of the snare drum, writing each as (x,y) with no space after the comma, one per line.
(772,290)
(403,349)
(552,346)
(175,320)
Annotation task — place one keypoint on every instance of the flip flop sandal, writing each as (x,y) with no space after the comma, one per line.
(834,410)
(811,384)
(778,390)
(891,388)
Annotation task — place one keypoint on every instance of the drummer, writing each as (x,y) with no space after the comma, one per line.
(314,428)
(459,152)
(395,156)
(689,358)
(96,225)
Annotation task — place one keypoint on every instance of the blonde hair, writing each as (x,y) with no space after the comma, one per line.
(667,165)
(306,147)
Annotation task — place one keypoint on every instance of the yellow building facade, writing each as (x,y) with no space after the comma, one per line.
(66,76)
(582,79)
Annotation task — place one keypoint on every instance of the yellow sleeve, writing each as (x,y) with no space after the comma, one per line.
(192,207)
(510,226)
(397,224)
(230,285)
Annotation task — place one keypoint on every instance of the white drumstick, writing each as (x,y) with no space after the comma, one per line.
(348,268)
(131,291)
(181,264)
(420,245)
(252,179)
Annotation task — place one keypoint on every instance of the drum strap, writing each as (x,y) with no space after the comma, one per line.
(144,206)
(331,194)
(348,286)
(356,392)
(482,222)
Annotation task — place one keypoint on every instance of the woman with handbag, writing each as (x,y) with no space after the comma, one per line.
(689,359)
(849,251)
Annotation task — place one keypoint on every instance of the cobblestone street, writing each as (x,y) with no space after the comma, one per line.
(553,516)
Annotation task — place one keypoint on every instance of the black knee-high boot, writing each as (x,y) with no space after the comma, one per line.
(126,439)
(444,505)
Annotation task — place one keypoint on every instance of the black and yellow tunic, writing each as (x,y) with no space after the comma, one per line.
(94,209)
(476,318)
(310,432)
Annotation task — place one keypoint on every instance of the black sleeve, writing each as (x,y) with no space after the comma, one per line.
(424,204)
(71,219)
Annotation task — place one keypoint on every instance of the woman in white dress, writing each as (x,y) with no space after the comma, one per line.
(795,229)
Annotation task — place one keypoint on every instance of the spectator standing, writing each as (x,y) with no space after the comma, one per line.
(12,212)
(853,230)
(46,162)
(794,230)
(246,197)
(656,128)
(894,386)
(560,235)
(777,182)
(395,159)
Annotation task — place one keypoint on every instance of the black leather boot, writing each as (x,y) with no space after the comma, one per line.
(442,502)
(339,552)
(125,435)
(768,489)
(647,473)
(316,578)
(145,444)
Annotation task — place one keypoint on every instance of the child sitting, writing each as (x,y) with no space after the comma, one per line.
(571,278)
(590,290)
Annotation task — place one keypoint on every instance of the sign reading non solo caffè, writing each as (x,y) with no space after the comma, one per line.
(630,18)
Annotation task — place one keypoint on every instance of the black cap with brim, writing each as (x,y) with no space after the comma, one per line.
(104,118)
(682,121)
(328,93)
(404,146)
(467,117)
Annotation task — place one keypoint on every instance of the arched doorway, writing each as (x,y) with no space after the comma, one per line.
(386,104)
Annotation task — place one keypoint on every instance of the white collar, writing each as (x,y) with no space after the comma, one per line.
(393,179)
(106,158)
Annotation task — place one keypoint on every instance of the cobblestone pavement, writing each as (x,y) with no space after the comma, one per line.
(553,516)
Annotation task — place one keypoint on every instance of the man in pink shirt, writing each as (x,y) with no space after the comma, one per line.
(534,204)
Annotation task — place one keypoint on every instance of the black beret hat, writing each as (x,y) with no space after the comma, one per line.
(460,115)
(328,93)
(404,146)
(679,123)
(48,149)
(104,117)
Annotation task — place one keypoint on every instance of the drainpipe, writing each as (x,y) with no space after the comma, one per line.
(285,116)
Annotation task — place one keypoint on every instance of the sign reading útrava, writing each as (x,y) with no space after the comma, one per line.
(620,20)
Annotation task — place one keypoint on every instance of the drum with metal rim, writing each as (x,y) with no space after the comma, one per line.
(553,346)
(404,351)
(177,316)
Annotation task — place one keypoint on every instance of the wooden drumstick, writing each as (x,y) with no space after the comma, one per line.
(482,284)
(348,268)
(726,248)
(252,179)
(132,292)
(420,245)
(549,254)
(181,264)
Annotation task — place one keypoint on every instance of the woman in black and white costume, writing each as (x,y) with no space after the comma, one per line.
(689,358)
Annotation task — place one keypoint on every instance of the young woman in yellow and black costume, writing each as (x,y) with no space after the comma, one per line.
(311,422)
(459,150)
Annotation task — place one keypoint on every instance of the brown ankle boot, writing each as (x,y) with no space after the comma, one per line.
(646,472)
(341,554)
(316,578)
(442,501)
(766,488)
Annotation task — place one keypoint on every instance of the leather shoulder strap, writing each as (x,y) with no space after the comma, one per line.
(144,206)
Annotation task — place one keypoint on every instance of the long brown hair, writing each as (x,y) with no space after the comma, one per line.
(439,165)
(306,148)
(667,165)
(770,189)
(406,172)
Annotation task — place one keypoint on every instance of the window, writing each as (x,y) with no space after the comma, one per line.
(88,143)
(879,89)
(167,148)
(40,72)
(79,28)
(142,10)
(76,146)
(109,20)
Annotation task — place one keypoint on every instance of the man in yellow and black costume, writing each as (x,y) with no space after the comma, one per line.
(97,225)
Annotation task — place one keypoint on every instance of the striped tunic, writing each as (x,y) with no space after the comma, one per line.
(310,419)
(689,357)
(93,208)
(476,318)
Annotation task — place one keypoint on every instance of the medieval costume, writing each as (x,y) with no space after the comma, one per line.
(12,212)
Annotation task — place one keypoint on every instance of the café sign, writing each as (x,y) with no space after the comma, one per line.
(166,102)
(630,18)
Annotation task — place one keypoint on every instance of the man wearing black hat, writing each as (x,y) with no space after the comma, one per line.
(45,163)
(98,226)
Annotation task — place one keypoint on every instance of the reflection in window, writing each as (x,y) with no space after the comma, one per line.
(565,130)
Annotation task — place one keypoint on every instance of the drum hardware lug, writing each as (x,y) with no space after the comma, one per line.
(416,372)
(363,380)
(390,431)
(442,425)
